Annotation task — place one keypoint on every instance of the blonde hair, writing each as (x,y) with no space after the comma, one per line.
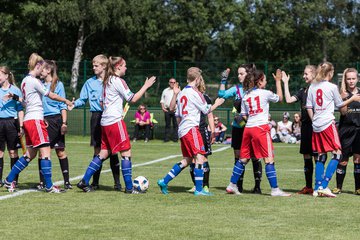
(34,59)
(51,64)
(202,86)
(7,71)
(343,81)
(323,70)
(312,68)
(193,73)
(104,61)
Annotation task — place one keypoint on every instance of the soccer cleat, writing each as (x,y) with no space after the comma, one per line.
(315,193)
(95,186)
(68,185)
(163,186)
(277,192)
(206,189)
(132,191)
(256,190)
(54,189)
(40,186)
(306,190)
(10,186)
(325,193)
(1,183)
(146,140)
(191,190)
(203,193)
(336,191)
(117,187)
(232,189)
(357,192)
(85,187)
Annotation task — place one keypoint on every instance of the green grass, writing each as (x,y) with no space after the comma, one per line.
(106,214)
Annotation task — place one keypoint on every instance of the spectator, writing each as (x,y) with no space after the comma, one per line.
(220,130)
(296,127)
(272,125)
(166,97)
(142,122)
(284,128)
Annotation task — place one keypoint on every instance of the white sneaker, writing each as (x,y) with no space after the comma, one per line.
(232,189)
(54,189)
(191,190)
(326,193)
(277,192)
(315,193)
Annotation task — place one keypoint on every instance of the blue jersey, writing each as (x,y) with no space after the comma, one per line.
(9,108)
(52,107)
(236,92)
(92,91)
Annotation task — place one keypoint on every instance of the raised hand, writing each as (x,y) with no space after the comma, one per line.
(150,81)
(277,76)
(225,75)
(284,77)
(176,88)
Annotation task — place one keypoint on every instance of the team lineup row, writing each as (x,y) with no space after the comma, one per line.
(250,130)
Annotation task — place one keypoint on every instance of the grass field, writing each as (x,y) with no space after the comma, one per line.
(106,214)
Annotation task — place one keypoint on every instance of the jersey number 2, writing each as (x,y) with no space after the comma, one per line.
(183,101)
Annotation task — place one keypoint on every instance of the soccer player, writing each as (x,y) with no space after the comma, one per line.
(34,126)
(114,135)
(306,125)
(190,102)
(55,115)
(256,139)
(11,117)
(238,123)
(92,90)
(349,130)
(322,96)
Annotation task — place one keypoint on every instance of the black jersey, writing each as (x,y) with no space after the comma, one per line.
(203,123)
(352,116)
(302,96)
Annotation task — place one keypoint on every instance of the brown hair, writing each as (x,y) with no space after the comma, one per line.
(114,62)
(249,67)
(323,70)
(252,79)
(51,64)
(140,106)
(343,81)
(33,60)
(202,86)
(193,73)
(7,71)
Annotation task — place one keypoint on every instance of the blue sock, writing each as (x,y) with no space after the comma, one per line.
(199,177)
(46,171)
(94,165)
(271,174)
(20,165)
(319,174)
(177,168)
(330,170)
(237,171)
(126,170)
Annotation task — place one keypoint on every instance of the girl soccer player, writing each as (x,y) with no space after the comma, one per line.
(256,139)
(114,136)
(34,126)
(306,125)
(55,115)
(92,91)
(238,123)
(349,130)
(322,97)
(11,117)
(190,102)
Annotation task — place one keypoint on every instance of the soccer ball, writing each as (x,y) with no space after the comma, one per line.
(292,140)
(141,183)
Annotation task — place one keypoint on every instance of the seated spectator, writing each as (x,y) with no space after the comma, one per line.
(296,127)
(142,122)
(284,128)
(220,130)
(272,125)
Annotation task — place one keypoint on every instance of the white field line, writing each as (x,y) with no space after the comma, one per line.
(22,192)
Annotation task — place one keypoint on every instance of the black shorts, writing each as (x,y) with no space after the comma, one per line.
(236,137)
(350,140)
(207,141)
(9,134)
(54,122)
(95,129)
(306,139)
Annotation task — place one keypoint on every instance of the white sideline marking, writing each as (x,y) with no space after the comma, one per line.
(21,192)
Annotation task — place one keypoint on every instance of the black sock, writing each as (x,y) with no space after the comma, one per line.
(42,180)
(206,167)
(1,167)
(192,167)
(257,169)
(115,168)
(340,175)
(357,175)
(64,165)
(12,163)
(308,171)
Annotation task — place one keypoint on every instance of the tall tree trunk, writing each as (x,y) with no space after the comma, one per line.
(77,58)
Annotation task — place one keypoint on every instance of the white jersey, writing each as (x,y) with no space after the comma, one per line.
(255,105)
(190,102)
(113,94)
(33,91)
(283,128)
(322,96)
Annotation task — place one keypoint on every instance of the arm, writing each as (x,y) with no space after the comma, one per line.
(148,83)
(64,121)
(211,127)
(56,97)
(217,103)
(277,78)
(162,101)
(21,122)
(223,128)
(84,96)
(173,100)
(311,113)
(288,97)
